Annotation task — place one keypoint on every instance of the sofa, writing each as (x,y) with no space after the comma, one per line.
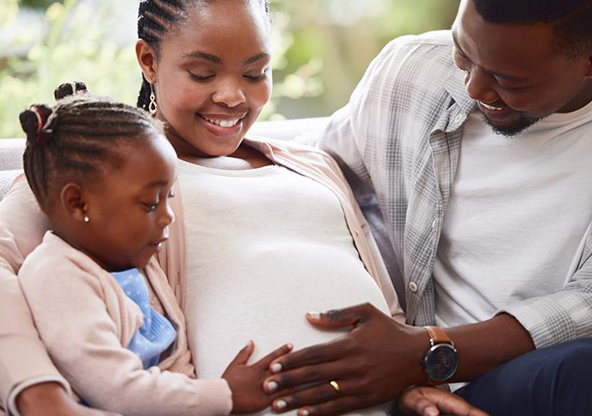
(11,150)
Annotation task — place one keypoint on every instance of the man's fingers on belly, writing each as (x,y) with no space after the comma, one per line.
(335,407)
(306,375)
(322,399)
(266,361)
(316,354)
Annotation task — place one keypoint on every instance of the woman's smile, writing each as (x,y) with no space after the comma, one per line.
(222,125)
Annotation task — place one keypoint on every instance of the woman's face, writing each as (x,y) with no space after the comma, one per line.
(212,76)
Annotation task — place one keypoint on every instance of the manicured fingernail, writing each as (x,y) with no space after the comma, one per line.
(280,404)
(314,315)
(276,368)
(303,412)
(272,386)
(290,345)
(431,411)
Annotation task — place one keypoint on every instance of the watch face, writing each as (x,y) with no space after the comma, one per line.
(441,362)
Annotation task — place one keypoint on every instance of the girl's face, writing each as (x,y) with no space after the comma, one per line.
(212,76)
(129,208)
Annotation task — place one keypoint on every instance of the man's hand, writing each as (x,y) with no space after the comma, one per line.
(50,399)
(430,401)
(371,365)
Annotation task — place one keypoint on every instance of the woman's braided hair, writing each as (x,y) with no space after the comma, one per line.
(155,19)
(79,137)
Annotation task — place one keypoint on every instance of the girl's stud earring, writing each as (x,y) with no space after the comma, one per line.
(86,219)
(152,107)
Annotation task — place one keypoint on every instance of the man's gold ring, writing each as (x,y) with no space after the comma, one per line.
(335,386)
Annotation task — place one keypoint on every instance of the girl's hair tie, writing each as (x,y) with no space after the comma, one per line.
(80,91)
(42,122)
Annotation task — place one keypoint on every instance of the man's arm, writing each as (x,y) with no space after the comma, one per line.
(379,358)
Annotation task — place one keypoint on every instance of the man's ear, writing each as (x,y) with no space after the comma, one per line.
(74,202)
(147,59)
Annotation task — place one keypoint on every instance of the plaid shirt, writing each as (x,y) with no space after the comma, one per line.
(398,142)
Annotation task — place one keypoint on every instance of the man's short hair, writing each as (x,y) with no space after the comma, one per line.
(571,19)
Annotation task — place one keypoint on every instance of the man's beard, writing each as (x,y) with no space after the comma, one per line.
(512,130)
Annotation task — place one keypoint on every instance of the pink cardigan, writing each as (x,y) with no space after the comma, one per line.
(23,355)
(86,321)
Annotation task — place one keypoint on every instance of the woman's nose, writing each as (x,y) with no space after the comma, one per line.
(229,94)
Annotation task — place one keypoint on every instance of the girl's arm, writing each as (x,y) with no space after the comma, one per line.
(83,321)
(23,357)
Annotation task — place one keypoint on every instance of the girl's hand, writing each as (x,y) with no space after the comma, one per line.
(246,381)
(430,401)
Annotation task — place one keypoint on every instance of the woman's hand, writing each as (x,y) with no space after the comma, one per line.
(50,399)
(246,381)
(430,401)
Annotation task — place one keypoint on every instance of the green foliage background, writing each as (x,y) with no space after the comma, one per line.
(321,49)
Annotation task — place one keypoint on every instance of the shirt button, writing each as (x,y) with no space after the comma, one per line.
(433,224)
(413,287)
(458,119)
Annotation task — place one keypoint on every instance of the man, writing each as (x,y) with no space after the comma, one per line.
(477,145)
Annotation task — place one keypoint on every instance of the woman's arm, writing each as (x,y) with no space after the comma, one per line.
(23,357)
(51,399)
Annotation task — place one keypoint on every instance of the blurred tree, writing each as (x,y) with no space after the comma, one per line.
(320,47)
(37,4)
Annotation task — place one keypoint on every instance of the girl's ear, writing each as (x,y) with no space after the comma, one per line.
(147,59)
(73,201)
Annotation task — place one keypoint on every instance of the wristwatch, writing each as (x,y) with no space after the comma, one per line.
(441,360)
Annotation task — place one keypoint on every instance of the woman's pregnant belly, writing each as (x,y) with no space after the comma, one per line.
(266,299)
(264,247)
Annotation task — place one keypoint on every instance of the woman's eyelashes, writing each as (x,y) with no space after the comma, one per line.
(250,77)
(200,78)
(257,77)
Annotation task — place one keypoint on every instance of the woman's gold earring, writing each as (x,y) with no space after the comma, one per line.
(86,219)
(152,107)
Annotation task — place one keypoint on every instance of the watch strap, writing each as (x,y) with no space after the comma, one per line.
(438,335)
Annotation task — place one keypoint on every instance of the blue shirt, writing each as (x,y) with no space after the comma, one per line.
(156,333)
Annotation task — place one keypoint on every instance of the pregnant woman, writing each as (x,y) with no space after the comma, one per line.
(265,231)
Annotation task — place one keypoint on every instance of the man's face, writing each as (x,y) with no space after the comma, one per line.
(516,73)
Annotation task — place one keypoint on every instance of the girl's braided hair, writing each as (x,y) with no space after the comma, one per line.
(156,18)
(80,137)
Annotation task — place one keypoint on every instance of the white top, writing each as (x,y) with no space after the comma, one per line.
(264,246)
(518,213)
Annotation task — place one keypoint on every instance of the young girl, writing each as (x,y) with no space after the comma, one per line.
(103,174)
